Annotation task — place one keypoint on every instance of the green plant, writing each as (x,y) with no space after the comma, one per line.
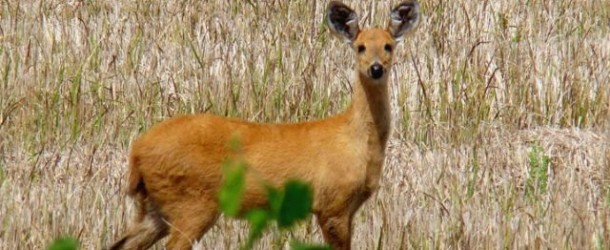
(287,205)
(64,243)
(537,180)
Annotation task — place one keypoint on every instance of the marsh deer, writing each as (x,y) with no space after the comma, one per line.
(175,169)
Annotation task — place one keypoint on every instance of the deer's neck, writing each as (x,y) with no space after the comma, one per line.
(370,111)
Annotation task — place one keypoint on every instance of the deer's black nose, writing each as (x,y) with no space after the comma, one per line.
(376,71)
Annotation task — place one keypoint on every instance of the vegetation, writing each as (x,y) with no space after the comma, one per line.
(537,180)
(287,205)
(64,243)
(501,114)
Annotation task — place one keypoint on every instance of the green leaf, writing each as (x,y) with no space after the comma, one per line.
(274,198)
(232,188)
(303,246)
(296,204)
(258,219)
(64,243)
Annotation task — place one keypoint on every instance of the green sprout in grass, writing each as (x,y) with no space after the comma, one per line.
(537,180)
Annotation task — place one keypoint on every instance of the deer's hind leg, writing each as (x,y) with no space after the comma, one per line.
(189,221)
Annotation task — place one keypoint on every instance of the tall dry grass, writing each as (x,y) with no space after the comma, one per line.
(482,93)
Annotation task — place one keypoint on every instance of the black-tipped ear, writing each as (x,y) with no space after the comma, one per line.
(342,21)
(403,19)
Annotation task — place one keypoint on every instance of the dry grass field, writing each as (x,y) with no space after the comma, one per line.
(501,113)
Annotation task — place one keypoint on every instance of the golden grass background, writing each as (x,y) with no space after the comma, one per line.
(475,90)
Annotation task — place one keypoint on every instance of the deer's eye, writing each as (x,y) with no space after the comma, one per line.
(361,49)
(388,48)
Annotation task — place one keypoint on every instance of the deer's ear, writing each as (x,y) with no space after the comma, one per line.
(403,19)
(342,21)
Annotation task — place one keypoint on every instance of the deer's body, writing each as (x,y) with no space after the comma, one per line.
(176,167)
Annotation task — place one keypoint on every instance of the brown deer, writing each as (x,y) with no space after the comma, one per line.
(175,169)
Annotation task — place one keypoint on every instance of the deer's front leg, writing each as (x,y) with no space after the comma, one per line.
(337,229)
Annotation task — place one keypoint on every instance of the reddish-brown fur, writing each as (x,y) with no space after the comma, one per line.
(176,168)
